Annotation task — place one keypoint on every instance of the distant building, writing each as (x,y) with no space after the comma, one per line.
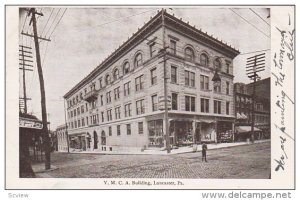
(119,105)
(61,137)
(243,109)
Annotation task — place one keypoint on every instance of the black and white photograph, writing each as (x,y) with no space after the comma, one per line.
(154,96)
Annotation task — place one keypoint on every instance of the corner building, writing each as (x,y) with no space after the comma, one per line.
(118,106)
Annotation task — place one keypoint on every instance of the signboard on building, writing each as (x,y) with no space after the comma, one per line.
(29,123)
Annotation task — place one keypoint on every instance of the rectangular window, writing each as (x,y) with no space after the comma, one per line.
(139,84)
(204,82)
(173,74)
(74,112)
(118,130)
(173,46)
(78,111)
(190,103)
(154,103)
(109,115)
(152,50)
(140,107)
(100,83)
(189,78)
(128,110)
(108,97)
(86,107)
(127,89)
(227,87)
(153,76)
(82,122)
(82,109)
(75,124)
(87,121)
(204,105)
(174,101)
(140,127)
(117,93)
(118,113)
(227,68)
(128,129)
(109,131)
(217,107)
(227,108)
(78,123)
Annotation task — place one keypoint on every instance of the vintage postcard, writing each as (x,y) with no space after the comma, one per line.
(150,97)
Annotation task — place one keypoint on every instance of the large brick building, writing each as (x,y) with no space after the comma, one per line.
(117,106)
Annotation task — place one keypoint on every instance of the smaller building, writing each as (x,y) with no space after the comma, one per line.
(62,138)
(243,110)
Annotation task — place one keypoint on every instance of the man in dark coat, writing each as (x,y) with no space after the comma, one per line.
(204,149)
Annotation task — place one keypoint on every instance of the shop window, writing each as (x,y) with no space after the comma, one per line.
(155,133)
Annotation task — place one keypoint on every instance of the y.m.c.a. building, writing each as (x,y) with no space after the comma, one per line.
(121,105)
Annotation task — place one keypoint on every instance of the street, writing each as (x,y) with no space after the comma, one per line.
(247,162)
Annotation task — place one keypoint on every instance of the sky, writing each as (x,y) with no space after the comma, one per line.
(81,38)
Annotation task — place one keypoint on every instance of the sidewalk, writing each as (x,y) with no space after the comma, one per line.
(180,150)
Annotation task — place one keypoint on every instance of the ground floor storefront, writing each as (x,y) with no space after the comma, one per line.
(149,132)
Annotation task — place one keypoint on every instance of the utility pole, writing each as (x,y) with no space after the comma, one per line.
(166,117)
(66,127)
(254,64)
(36,38)
(24,51)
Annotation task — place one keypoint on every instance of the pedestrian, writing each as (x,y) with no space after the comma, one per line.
(204,149)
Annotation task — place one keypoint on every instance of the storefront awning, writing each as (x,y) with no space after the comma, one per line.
(244,129)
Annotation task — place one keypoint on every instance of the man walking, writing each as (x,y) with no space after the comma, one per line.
(204,149)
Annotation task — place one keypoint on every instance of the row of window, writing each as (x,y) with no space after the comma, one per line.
(189,54)
(128,129)
(190,105)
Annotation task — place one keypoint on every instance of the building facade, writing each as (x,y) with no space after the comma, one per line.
(120,104)
(61,137)
(243,109)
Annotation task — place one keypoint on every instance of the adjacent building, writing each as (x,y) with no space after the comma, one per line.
(120,104)
(62,138)
(243,109)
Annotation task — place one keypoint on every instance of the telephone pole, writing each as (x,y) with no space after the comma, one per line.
(254,64)
(24,51)
(36,38)
(166,117)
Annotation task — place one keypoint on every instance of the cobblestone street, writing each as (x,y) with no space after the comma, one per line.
(247,161)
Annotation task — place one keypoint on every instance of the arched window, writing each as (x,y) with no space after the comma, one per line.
(189,54)
(138,60)
(107,79)
(217,64)
(204,60)
(116,74)
(126,68)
